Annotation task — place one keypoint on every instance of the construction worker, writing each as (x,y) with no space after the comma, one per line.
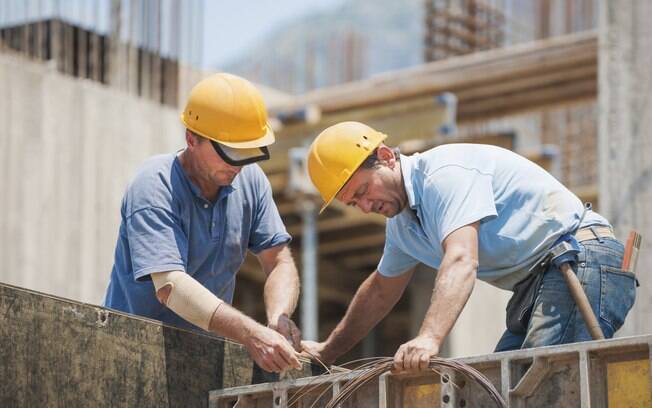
(189,218)
(468,211)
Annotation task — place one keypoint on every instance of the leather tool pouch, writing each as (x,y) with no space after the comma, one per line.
(519,308)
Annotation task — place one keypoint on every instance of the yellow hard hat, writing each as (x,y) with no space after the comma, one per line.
(337,153)
(229,110)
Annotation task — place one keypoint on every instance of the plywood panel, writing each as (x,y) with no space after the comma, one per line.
(60,353)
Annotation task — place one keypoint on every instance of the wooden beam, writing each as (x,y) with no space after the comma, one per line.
(524,62)
(566,92)
(364,242)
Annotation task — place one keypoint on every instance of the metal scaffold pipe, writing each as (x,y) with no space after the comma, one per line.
(301,189)
(309,305)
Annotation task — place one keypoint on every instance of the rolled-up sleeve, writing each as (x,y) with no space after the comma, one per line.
(157,242)
(394,261)
(456,196)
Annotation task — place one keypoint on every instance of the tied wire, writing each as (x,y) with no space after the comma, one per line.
(372,368)
(375,367)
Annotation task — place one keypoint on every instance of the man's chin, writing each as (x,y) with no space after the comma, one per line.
(394,211)
(390,214)
(226,181)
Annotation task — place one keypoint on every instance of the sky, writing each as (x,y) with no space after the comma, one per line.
(231,27)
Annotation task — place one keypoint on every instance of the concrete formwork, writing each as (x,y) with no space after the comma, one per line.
(597,374)
(61,353)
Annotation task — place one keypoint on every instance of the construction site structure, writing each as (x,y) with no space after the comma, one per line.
(595,374)
(78,226)
(145,48)
(60,353)
(69,147)
(458,27)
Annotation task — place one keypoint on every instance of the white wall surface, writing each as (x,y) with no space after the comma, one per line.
(67,150)
(625,135)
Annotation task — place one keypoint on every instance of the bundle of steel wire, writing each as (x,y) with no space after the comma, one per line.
(375,367)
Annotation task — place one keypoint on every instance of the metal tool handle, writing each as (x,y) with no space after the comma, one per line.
(582,301)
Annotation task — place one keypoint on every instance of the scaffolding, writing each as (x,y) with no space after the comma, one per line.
(458,27)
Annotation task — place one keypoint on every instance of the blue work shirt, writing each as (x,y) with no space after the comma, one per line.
(167,225)
(522,210)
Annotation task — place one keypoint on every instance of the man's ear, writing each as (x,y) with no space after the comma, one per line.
(191,140)
(386,155)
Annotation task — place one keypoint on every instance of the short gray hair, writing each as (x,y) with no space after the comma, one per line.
(372,160)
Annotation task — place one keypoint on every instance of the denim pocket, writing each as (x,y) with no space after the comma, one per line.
(617,295)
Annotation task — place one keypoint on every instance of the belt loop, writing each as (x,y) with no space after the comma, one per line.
(595,234)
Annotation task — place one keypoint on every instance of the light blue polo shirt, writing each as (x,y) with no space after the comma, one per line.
(168,225)
(522,211)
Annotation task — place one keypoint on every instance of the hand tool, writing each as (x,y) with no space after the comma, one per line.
(631,251)
(563,255)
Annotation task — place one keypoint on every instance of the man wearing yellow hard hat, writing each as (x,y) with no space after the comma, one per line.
(189,218)
(469,211)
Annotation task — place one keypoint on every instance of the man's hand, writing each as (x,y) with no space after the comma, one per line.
(415,354)
(270,350)
(284,325)
(317,351)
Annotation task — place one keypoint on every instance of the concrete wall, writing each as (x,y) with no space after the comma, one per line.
(625,135)
(67,150)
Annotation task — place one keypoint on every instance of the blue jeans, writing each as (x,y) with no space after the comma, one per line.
(555,317)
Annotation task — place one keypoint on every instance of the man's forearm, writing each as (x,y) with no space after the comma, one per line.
(229,322)
(371,303)
(267,347)
(455,281)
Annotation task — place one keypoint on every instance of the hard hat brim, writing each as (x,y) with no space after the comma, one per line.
(326,204)
(266,140)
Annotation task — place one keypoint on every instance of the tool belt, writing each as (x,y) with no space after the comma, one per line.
(520,306)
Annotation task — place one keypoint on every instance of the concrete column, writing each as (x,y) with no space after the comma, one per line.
(625,135)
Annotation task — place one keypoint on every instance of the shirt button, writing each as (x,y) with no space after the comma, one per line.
(205,205)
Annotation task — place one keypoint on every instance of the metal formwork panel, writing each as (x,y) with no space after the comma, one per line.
(597,374)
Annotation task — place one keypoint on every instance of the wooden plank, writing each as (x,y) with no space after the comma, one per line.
(364,242)
(530,59)
(57,352)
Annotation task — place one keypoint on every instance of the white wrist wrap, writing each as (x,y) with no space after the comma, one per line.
(188,298)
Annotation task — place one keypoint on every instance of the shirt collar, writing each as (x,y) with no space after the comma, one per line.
(407,167)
